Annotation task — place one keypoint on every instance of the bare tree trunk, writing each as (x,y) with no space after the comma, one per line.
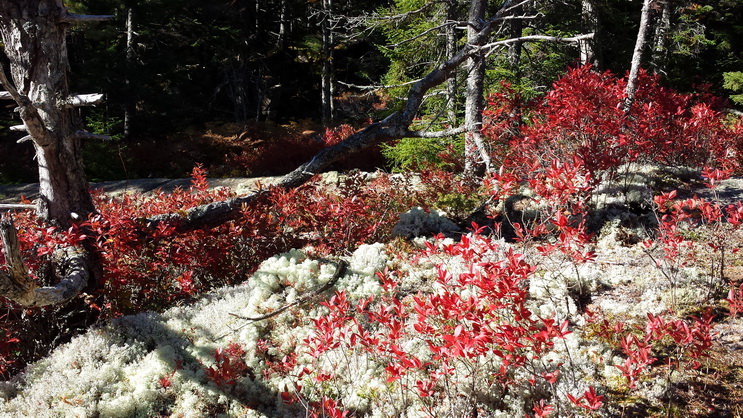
(327,63)
(129,105)
(516,30)
(642,36)
(451,49)
(476,157)
(590,49)
(33,33)
(659,55)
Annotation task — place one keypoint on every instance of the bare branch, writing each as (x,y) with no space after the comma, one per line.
(12,92)
(15,206)
(18,128)
(76,18)
(733,112)
(4,95)
(24,139)
(80,100)
(437,134)
(15,283)
(543,38)
(29,114)
(13,259)
(378,87)
(422,34)
(405,15)
(87,135)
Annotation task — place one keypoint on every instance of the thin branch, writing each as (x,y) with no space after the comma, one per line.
(76,18)
(18,128)
(543,38)
(734,112)
(87,135)
(80,100)
(12,92)
(420,35)
(437,134)
(402,16)
(15,206)
(29,114)
(378,87)
(340,270)
(524,17)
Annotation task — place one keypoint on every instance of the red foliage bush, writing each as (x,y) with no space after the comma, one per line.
(152,268)
(581,119)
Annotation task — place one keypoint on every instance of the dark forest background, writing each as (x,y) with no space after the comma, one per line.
(208,80)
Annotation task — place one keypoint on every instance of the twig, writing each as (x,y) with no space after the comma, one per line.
(339,270)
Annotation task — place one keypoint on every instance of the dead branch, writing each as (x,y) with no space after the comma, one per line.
(76,18)
(340,270)
(15,206)
(537,38)
(438,134)
(395,126)
(16,285)
(88,135)
(79,100)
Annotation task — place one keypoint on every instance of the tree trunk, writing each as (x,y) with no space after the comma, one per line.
(451,49)
(283,18)
(516,30)
(129,104)
(34,37)
(327,63)
(659,56)
(33,33)
(590,49)
(476,158)
(642,36)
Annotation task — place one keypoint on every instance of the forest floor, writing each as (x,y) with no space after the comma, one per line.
(717,387)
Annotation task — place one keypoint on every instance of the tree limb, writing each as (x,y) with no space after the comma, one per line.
(76,18)
(15,206)
(437,134)
(395,126)
(87,135)
(420,35)
(340,270)
(545,38)
(29,114)
(79,100)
